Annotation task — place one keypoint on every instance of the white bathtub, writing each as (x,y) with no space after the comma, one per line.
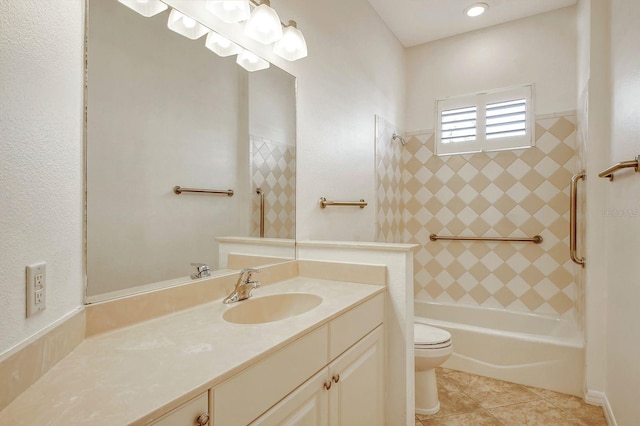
(534,350)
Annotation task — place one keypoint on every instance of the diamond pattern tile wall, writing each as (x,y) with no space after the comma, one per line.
(273,170)
(389,206)
(508,193)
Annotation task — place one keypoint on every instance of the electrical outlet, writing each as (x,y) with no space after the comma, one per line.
(36,288)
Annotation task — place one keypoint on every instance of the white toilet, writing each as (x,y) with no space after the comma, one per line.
(432,347)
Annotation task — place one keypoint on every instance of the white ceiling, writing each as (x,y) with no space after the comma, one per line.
(420,21)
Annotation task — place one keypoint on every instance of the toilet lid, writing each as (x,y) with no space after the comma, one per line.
(426,337)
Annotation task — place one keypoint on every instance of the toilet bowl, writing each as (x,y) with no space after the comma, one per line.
(432,347)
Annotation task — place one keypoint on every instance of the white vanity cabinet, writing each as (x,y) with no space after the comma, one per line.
(349,391)
(192,413)
(332,375)
(356,396)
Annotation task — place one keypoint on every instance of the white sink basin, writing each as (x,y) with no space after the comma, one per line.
(271,308)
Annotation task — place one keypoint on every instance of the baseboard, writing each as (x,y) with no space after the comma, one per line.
(600,399)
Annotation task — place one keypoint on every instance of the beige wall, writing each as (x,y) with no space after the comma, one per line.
(41,68)
(540,49)
(623,232)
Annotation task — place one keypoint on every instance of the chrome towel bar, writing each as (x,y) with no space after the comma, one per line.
(179,190)
(537,239)
(608,173)
(573,220)
(324,203)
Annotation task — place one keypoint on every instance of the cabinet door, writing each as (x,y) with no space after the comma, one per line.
(192,413)
(306,406)
(357,393)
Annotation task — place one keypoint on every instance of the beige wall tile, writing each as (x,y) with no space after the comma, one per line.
(273,168)
(508,193)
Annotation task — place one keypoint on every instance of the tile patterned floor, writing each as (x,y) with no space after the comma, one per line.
(469,400)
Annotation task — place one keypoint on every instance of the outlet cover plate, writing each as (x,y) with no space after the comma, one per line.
(36,288)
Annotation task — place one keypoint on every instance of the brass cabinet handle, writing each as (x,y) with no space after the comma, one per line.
(336,378)
(327,385)
(202,420)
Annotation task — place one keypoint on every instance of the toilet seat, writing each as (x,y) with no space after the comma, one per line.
(427,337)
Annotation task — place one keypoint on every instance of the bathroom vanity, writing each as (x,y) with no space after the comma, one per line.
(323,366)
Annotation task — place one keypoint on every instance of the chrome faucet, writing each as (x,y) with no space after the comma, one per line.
(202,271)
(244,286)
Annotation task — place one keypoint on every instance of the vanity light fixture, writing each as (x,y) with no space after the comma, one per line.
(476,9)
(264,24)
(185,25)
(292,46)
(145,8)
(229,11)
(251,62)
(221,46)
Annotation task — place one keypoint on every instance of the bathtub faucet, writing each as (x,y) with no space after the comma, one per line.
(244,286)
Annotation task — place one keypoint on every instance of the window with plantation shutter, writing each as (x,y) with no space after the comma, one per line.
(490,121)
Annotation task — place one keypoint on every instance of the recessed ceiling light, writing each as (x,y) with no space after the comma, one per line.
(476,9)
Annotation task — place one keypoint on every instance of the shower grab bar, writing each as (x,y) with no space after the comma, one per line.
(573,219)
(179,190)
(536,239)
(324,203)
(260,192)
(608,173)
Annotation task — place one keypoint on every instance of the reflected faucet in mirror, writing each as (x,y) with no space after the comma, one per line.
(202,271)
(244,286)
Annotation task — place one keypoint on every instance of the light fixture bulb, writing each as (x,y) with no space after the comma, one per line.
(221,45)
(476,9)
(188,22)
(264,25)
(185,25)
(145,8)
(229,11)
(292,46)
(251,62)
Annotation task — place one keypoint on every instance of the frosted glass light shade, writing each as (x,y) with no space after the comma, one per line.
(221,45)
(251,62)
(292,46)
(264,25)
(145,8)
(230,11)
(185,25)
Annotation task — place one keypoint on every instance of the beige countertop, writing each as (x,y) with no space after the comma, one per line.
(135,373)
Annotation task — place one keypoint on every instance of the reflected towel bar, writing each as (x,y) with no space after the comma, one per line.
(608,173)
(179,190)
(324,203)
(260,192)
(537,239)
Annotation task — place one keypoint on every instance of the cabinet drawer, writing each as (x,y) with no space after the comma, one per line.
(187,414)
(241,399)
(350,327)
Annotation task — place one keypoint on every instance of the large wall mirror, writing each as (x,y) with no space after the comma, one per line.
(164,111)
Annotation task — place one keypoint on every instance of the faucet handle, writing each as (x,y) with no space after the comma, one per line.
(246,272)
